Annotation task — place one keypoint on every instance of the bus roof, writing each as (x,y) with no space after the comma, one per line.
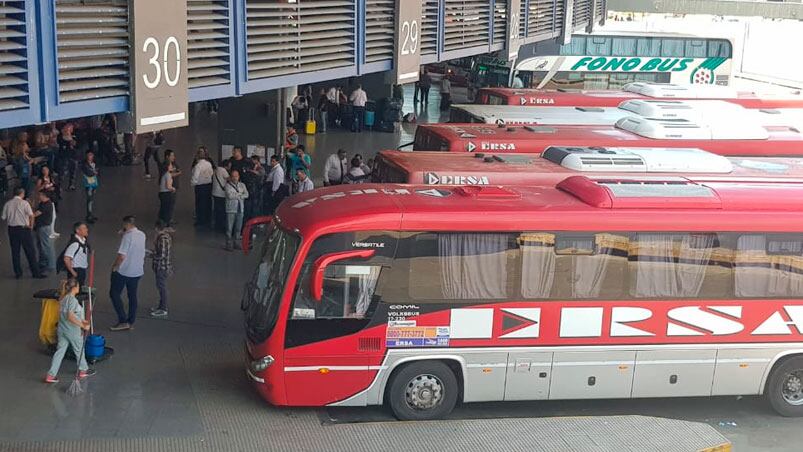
(654,205)
(638,90)
(438,168)
(779,141)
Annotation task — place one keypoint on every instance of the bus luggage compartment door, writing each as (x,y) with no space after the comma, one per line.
(679,373)
(592,375)
(485,376)
(528,375)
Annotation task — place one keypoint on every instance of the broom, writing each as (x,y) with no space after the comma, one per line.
(76,387)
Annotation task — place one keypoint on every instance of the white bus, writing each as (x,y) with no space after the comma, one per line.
(609,61)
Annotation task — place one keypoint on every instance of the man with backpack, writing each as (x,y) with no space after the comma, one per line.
(75,257)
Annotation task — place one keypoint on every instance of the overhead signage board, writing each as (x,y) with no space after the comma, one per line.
(407,49)
(159,87)
(513,28)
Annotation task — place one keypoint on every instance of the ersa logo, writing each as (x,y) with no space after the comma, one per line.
(435,179)
(485,146)
(536,101)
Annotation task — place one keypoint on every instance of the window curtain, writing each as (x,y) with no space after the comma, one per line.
(537,265)
(366,283)
(589,272)
(473,266)
(759,274)
(667,267)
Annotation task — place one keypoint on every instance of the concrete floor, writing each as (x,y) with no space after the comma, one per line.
(178,384)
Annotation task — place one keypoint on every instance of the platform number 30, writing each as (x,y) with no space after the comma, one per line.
(169,49)
(409,34)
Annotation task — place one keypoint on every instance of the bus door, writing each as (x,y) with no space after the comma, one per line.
(330,353)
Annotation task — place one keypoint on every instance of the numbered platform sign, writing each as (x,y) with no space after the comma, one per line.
(407,55)
(159,96)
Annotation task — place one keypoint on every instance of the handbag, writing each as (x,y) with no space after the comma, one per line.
(91,182)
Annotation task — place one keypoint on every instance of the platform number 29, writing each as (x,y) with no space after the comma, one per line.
(409,34)
(169,49)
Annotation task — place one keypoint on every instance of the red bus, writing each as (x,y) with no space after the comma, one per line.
(421,296)
(741,140)
(632,91)
(558,163)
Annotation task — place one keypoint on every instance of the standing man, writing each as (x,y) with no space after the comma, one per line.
(127,269)
(446,92)
(76,255)
(304,182)
(335,168)
(45,216)
(219,196)
(254,179)
(236,194)
(358,100)
(333,105)
(18,214)
(201,180)
(425,83)
(278,189)
(298,160)
(167,194)
(238,162)
(162,256)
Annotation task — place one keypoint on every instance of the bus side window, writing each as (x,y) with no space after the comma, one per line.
(590,267)
(461,266)
(648,47)
(768,266)
(348,292)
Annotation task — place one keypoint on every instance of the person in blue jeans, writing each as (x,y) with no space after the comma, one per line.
(127,270)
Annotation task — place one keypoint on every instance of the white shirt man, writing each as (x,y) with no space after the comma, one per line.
(446,86)
(358,98)
(17,212)
(335,168)
(276,176)
(517,82)
(332,96)
(202,173)
(304,182)
(219,182)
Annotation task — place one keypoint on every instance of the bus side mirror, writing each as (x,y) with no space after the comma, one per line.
(249,225)
(319,267)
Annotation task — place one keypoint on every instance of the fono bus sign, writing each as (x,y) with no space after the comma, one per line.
(632,64)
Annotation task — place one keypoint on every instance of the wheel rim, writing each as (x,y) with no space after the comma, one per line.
(424,392)
(792,388)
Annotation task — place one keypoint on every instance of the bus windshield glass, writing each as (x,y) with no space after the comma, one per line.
(263,293)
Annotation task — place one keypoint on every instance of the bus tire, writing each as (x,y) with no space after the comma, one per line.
(423,390)
(785,387)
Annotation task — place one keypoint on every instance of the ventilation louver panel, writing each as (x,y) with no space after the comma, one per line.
(287,38)
(379,27)
(523,19)
(541,18)
(208,29)
(599,10)
(466,24)
(429,27)
(500,22)
(13,56)
(581,12)
(560,14)
(93,51)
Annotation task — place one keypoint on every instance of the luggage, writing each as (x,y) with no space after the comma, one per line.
(369,119)
(311,126)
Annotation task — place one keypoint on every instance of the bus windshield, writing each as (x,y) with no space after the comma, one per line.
(264,291)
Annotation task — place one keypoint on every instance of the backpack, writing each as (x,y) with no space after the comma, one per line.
(60,267)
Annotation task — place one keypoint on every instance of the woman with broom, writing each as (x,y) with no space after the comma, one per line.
(71,322)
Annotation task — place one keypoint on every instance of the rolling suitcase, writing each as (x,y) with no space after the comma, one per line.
(369,119)
(311,126)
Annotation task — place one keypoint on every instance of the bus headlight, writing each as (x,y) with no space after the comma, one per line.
(261,364)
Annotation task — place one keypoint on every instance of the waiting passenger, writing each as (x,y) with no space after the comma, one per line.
(236,194)
(355,175)
(304,182)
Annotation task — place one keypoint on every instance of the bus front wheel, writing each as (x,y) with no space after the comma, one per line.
(423,390)
(785,387)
